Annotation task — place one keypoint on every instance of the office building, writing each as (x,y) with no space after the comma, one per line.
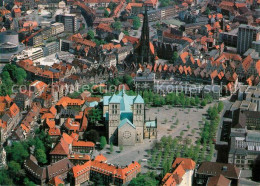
(246,35)
(70,22)
(244,147)
(57,28)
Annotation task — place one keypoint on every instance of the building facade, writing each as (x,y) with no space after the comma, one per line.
(244,147)
(125,116)
(246,35)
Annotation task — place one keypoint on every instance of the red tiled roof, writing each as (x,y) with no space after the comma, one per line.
(187,163)
(66,101)
(72,125)
(180,166)
(74,136)
(62,148)
(81,169)
(57,181)
(83,143)
(219,180)
(54,131)
(131,39)
(257,65)
(214,74)
(47,116)
(130,5)
(14,110)
(104,27)
(226,3)
(101,158)
(68,139)
(17,10)
(183,56)
(50,123)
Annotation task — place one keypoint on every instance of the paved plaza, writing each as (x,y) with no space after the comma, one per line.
(166,120)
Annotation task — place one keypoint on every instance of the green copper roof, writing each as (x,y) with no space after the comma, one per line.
(126,121)
(138,99)
(115,99)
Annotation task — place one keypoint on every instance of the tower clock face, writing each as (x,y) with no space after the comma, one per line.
(127,134)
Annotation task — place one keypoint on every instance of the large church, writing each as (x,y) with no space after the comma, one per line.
(125,119)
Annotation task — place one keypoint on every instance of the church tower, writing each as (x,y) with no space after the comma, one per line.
(114,118)
(143,49)
(138,118)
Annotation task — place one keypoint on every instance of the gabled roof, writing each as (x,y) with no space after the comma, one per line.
(62,148)
(219,180)
(101,158)
(138,99)
(14,110)
(126,121)
(57,181)
(187,163)
(81,169)
(180,166)
(54,131)
(68,139)
(214,168)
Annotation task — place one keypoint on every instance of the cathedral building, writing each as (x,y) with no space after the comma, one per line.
(125,119)
(144,51)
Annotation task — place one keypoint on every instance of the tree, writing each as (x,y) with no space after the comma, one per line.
(4,178)
(181,133)
(220,106)
(175,57)
(207,12)
(17,152)
(117,25)
(5,75)
(106,13)
(90,34)
(92,135)
(126,32)
(15,171)
(95,115)
(103,142)
(27,182)
(41,156)
(121,148)
(136,23)
(112,6)
(197,100)
(128,80)
(111,147)
(20,75)
(203,103)
(11,69)
(4,90)
(144,179)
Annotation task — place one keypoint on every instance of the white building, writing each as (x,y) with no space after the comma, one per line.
(31,53)
(57,28)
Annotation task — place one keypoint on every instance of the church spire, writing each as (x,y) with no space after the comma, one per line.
(143,50)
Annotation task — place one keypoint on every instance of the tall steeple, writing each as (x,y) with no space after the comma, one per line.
(143,50)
